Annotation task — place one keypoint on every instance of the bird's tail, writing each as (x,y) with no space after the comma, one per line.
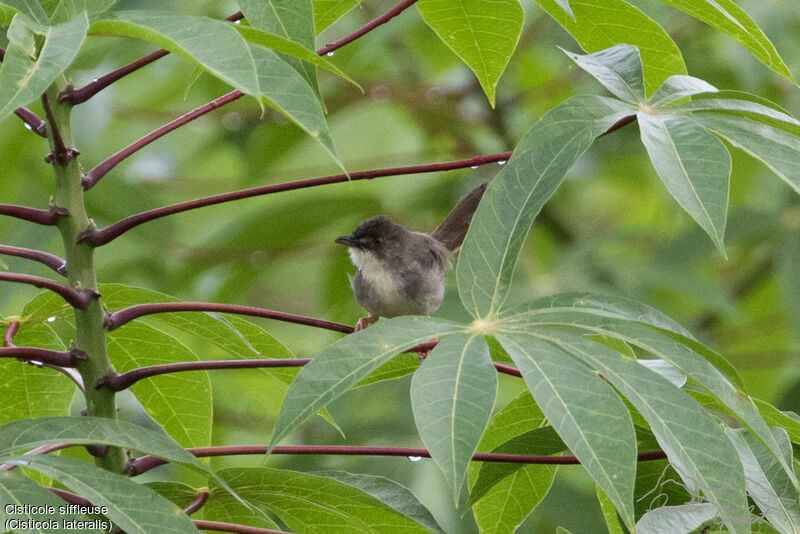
(454,227)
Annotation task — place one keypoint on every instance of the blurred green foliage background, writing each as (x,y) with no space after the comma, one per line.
(611,228)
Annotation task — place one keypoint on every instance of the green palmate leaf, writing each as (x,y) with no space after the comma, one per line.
(729,18)
(326,12)
(290,48)
(483,34)
(683,428)
(694,165)
(398,367)
(609,512)
(29,391)
(518,192)
(311,504)
(767,483)
(131,506)
(344,363)
(618,69)
(17,489)
(452,395)
(586,413)
(789,421)
(187,418)
(774,147)
(31,8)
(599,24)
(252,69)
(658,343)
(23,78)
(290,19)
(679,86)
(657,485)
(389,493)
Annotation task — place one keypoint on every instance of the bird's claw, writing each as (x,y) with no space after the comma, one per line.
(364,322)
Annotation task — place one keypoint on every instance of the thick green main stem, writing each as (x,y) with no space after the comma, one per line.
(90,333)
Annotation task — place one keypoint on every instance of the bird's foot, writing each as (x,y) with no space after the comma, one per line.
(364,322)
(422,354)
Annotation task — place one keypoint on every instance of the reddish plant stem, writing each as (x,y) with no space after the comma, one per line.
(79,96)
(198,503)
(125,380)
(44,449)
(51,357)
(368,27)
(96,174)
(101,237)
(11,331)
(126,315)
(57,365)
(77,298)
(43,217)
(70,497)
(219,526)
(146,463)
(36,124)
(45,258)
(100,170)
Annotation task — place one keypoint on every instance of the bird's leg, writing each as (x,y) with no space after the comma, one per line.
(364,322)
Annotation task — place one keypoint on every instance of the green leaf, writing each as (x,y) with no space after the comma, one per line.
(344,363)
(729,18)
(131,506)
(483,34)
(680,518)
(390,493)
(618,69)
(694,165)
(785,420)
(506,505)
(775,148)
(754,110)
(586,413)
(679,86)
(252,69)
(539,441)
(61,10)
(17,489)
(311,504)
(31,8)
(187,418)
(452,395)
(767,483)
(683,428)
(660,344)
(600,24)
(398,367)
(22,78)
(31,433)
(609,512)
(515,196)
(290,48)
(290,19)
(87,430)
(29,391)
(326,12)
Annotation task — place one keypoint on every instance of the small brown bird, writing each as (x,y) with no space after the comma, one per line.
(400,272)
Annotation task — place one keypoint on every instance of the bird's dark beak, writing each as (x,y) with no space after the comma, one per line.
(348,241)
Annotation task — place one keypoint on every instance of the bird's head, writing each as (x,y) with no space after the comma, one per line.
(376,236)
